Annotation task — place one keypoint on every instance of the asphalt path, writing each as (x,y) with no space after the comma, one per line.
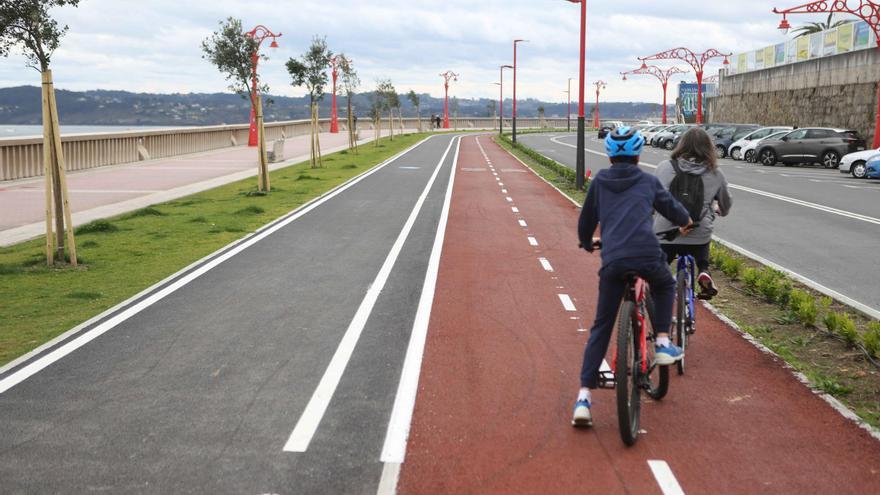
(270,368)
(817,223)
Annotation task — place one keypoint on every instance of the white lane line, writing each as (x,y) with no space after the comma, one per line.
(504,191)
(567,303)
(37,365)
(827,209)
(500,183)
(409,168)
(509,199)
(663,474)
(545,264)
(388,481)
(394,448)
(522,223)
(533,241)
(514,209)
(311,417)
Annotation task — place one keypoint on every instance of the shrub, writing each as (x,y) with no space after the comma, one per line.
(732,267)
(847,328)
(770,285)
(804,306)
(872,339)
(750,277)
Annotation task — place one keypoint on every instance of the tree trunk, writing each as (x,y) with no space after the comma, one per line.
(263,171)
(419,117)
(59,179)
(317,127)
(391,124)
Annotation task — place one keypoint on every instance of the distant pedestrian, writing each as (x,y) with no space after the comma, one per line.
(438,121)
(354,121)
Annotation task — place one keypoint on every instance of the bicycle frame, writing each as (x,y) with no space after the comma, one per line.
(636,291)
(687,264)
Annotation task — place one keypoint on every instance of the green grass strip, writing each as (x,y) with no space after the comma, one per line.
(124,255)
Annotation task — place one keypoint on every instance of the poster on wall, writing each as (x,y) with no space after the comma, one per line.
(750,61)
(816,40)
(845,38)
(687,98)
(759,59)
(803,48)
(769,57)
(780,54)
(861,35)
(829,43)
(791,55)
(742,63)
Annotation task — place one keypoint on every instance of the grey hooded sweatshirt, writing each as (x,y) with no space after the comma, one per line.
(714,189)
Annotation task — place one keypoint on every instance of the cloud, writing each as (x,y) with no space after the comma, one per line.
(155,46)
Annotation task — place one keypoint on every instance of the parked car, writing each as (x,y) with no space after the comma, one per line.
(736,151)
(856,163)
(604,130)
(726,136)
(819,145)
(748,151)
(646,123)
(872,169)
(652,131)
(665,138)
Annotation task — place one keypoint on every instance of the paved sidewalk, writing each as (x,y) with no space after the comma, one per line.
(108,191)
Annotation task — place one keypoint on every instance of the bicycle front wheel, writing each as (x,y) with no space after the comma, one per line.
(659,389)
(627,374)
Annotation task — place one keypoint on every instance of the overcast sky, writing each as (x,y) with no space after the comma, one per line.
(154,45)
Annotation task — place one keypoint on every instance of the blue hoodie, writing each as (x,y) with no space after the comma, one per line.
(623,199)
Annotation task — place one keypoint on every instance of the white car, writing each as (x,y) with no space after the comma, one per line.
(650,132)
(854,163)
(748,151)
(736,150)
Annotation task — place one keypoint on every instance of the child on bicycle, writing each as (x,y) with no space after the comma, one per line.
(621,200)
(693,177)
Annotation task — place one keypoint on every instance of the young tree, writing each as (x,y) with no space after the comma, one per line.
(390,100)
(415,100)
(541,116)
(350,82)
(235,55)
(311,71)
(453,107)
(490,108)
(28,26)
(378,103)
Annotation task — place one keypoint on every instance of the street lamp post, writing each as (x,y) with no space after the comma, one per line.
(258,34)
(334,120)
(580,167)
(568,116)
(866,10)
(514,87)
(600,85)
(447,76)
(501,98)
(662,75)
(496,113)
(696,60)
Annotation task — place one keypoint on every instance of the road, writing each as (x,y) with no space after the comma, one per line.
(818,223)
(422,324)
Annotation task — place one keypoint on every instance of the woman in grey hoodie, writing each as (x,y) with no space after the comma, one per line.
(695,155)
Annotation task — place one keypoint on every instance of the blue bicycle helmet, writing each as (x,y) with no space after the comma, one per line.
(624,141)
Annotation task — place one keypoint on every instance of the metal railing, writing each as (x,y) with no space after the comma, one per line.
(21,158)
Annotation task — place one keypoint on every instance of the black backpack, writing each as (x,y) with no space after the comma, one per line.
(688,190)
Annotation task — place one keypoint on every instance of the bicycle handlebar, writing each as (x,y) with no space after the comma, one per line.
(666,235)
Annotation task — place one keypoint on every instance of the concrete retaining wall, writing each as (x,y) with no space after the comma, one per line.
(838,91)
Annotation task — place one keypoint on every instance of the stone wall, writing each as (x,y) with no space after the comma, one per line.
(837,91)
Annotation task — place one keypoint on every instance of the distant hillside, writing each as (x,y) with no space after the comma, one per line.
(21,106)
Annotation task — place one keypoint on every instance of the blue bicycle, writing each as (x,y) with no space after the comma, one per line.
(685,316)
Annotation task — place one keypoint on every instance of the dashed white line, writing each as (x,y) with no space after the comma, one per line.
(504,191)
(567,303)
(514,209)
(533,241)
(663,474)
(522,223)
(509,199)
(545,264)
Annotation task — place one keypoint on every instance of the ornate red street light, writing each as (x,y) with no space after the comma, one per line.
(662,75)
(581,138)
(697,61)
(501,97)
(600,85)
(334,120)
(447,76)
(258,34)
(514,86)
(868,11)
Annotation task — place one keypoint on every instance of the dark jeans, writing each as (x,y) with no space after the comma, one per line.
(611,287)
(700,252)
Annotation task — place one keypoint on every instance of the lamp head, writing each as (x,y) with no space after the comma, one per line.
(784,26)
(274,44)
(644,65)
(726,62)
(624,77)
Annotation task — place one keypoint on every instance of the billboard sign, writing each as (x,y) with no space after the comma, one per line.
(687,97)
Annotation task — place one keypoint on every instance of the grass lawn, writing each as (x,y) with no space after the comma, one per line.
(122,256)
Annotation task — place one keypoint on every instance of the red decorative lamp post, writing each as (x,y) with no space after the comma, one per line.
(697,61)
(447,76)
(600,85)
(334,119)
(259,34)
(866,10)
(662,75)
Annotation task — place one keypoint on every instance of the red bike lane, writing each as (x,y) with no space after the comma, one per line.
(513,299)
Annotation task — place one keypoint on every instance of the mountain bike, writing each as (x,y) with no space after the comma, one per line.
(685,316)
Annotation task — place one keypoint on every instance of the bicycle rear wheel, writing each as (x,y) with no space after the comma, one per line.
(682,315)
(627,374)
(662,387)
